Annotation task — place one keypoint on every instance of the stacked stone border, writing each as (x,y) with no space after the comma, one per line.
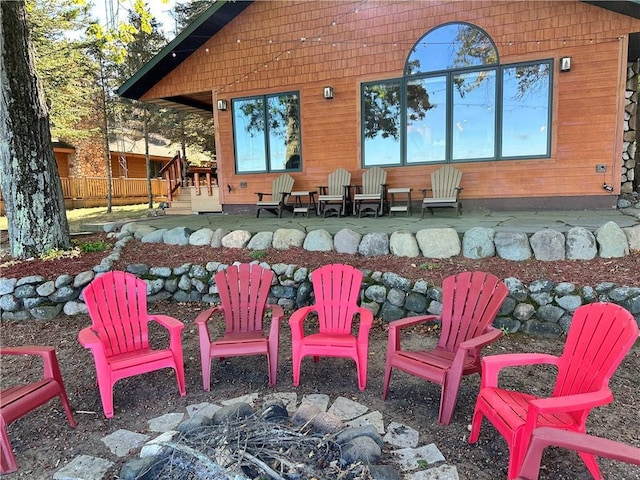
(540,308)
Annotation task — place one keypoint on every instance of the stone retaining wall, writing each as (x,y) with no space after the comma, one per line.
(541,308)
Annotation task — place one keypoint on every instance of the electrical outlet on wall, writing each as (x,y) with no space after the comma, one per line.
(601,168)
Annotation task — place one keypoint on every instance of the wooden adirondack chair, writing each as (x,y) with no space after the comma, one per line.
(599,337)
(243,290)
(543,437)
(445,190)
(334,198)
(336,288)
(17,401)
(119,335)
(470,303)
(280,190)
(371,196)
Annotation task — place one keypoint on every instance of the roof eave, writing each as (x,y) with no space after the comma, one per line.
(210,22)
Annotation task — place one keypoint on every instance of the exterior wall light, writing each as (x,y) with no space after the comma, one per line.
(328,93)
(565,64)
(222,105)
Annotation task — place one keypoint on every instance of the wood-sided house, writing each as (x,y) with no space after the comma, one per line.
(528,99)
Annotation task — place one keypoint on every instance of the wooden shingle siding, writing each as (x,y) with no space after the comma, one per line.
(373,44)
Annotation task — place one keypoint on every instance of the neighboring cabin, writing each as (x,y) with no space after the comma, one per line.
(531,100)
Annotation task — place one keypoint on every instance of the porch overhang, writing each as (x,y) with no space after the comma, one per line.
(210,22)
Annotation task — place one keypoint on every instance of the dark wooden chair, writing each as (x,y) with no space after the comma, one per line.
(280,191)
(333,199)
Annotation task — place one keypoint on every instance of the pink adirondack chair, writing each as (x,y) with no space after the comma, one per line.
(19,400)
(336,288)
(543,437)
(119,335)
(470,303)
(244,291)
(599,337)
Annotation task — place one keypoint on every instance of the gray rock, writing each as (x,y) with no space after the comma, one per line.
(507,324)
(523,312)
(156,236)
(477,242)
(163,272)
(154,286)
(9,303)
(233,412)
(46,289)
(415,302)
(383,472)
(286,238)
(74,308)
(543,329)
(46,312)
(303,295)
(199,272)
(393,280)
(619,294)
(138,269)
(201,237)
(377,293)
(171,284)
(549,313)
(29,303)
(261,241)
(633,305)
(439,242)
(218,235)
(361,449)
(543,298)
(373,307)
(588,293)
(64,294)
(305,413)
(25,291)
(512,246)
(7,285)
(633,237)
(516,288)
(346,241)
(403,244)
(565,288)
(390,312)
(612,242)
(63,280)
(83,279)
(177,236)
(301,274)
(569,302)
(421,286)
(542,285)
(326,422)
(19,316)
(274,410)
(147,468)
(508,305)
(158,297)
(548,245)
(374,244)
(30,280)
(350,433)
(396,297)
(236,239)
(318,241)
(143,230)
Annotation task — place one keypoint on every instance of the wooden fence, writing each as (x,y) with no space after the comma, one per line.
(92,191)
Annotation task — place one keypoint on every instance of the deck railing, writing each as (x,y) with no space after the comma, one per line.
(92,191)
(172,173)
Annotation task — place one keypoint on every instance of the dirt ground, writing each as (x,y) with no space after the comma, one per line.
(44,442)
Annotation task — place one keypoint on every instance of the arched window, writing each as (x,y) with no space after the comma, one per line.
(456,103)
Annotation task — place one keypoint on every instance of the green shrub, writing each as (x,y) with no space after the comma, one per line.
(91,247)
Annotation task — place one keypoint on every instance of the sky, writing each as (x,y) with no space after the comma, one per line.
(160,9)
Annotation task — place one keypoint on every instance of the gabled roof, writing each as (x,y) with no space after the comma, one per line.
(210,22)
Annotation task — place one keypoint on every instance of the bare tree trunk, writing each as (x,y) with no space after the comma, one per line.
(29,177)
(147,157)
(105,133)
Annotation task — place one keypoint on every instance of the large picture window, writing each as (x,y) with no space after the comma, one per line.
(266,133)
(457,103)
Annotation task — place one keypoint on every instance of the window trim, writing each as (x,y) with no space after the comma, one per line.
(265,133)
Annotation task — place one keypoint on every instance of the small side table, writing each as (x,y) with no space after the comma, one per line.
(400,205)
(299,206)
